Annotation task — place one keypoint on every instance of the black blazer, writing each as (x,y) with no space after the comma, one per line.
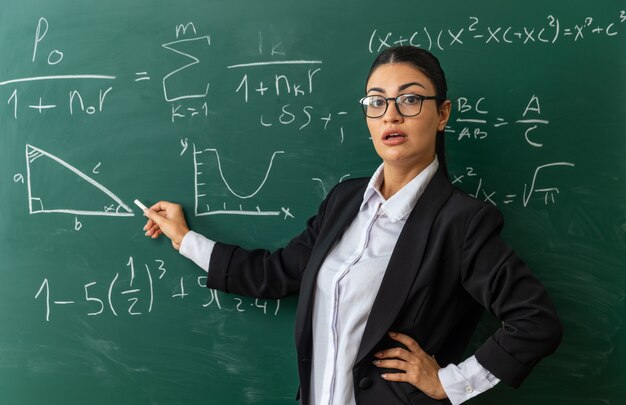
(448,265)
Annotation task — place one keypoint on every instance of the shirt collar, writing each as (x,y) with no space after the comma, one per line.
(402,203)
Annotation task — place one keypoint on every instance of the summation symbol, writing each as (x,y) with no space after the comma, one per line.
(50,198)
(175,47)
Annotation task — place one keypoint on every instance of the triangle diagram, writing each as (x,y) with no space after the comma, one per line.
(56,186)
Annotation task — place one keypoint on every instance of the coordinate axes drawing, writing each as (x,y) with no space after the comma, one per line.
(200,173)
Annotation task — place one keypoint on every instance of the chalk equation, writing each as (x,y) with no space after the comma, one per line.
(535,186)
(271,75)
(550,31)
(74,101)
(473,121)
(135,292)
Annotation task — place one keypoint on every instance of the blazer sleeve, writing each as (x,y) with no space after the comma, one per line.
(260,273)
(504,285)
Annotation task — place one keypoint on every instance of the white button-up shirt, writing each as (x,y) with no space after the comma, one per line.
(347,284)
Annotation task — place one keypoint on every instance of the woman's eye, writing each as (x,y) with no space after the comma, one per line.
(377,102)
(410,100)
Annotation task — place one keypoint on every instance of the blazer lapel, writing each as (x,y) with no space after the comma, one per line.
(403,270)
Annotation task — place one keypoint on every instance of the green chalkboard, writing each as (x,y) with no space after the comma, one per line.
(246,113)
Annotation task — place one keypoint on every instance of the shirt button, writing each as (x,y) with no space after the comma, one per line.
(365,383)
(469,389)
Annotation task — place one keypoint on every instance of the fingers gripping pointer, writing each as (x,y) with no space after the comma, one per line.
(418,368)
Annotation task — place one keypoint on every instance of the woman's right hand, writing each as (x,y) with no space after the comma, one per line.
(166,218)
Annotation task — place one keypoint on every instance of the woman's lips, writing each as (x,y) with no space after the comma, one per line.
(394,137)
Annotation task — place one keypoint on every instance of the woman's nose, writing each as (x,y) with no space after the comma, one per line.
(392,114)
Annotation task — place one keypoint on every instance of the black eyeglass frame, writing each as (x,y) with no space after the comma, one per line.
(395,100)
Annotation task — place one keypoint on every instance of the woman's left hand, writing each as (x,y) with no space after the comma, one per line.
(419,369)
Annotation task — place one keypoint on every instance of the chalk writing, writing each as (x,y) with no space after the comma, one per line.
(279,82)
(293,81)
(55,56)
(75,99)
(136,292)
(191,71)
(476,124)
(482,192)
(326,185)
(38,203)
(474,121)
(57,77)
(551,31)
(201,171)
(548,192)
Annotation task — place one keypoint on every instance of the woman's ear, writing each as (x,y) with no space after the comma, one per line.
(444,114)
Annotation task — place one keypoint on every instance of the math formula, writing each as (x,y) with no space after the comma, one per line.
(273,90)
(141,290)
(551,31)
(475,123)
(187,88)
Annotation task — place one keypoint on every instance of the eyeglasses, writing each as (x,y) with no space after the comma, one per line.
(408,105)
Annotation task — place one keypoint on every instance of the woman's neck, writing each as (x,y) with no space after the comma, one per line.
(397,176)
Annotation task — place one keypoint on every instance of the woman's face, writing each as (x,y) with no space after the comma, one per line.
(407,142)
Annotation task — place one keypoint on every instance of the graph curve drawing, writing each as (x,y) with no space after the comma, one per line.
(80,195)
(200,164)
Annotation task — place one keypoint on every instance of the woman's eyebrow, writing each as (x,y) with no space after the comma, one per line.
(378,89)
(407,85)
(402,87)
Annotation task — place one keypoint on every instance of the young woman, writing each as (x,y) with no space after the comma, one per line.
(394,272)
